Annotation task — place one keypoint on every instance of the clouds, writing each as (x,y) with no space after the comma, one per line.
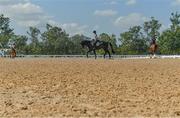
(126,2)
(130,20)
(176,3)
(113,2)
(108,12)
(26,14)
(71,28)
(123,22)
(10,2)
(110,16)
(131,2)
(25,8)
(74,28)
(23,12)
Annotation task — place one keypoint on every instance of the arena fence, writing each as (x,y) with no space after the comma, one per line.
(92,56)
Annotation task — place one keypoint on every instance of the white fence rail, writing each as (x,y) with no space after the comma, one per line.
(92,56)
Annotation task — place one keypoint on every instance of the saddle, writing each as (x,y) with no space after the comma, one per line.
(96,42)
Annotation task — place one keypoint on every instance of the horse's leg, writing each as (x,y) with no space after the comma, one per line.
(87,53)
(150,53)
(154,55)
(10,54)
(14,54)
(95,54)
(105,54)
(109,54)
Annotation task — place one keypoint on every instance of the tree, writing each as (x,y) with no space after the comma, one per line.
(5,31)
(21,43)
(169,41)
(76,40)
(34,35)
(133,41)
(56,41)
(34,45)
(175,20)
(151,28)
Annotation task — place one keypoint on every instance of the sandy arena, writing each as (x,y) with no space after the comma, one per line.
(89,88)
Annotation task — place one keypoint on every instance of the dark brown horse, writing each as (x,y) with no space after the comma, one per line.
(103,45)
(152,50)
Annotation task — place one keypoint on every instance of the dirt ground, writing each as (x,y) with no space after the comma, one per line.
(89,88)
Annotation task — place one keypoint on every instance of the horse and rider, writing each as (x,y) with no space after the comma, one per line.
(153,46)
(96,44)
(11,50)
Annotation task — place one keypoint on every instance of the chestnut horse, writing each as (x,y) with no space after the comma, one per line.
(152,50)
(12,53)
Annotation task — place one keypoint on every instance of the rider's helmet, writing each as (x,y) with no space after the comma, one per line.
(94,31)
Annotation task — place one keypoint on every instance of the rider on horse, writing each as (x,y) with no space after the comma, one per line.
(153,41)
(96,39)
(12,45)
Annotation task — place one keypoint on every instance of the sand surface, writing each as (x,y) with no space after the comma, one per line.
(89,88)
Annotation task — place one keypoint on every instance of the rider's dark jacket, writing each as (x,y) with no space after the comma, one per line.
(153,41)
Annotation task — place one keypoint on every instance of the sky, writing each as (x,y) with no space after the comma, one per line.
(84,16)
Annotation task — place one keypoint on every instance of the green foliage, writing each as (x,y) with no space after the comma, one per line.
(5,31)
(133,41)
(76,47)
(175,20)
(169,41)
(55,40)
(20,43)
(34,46)
(151,28)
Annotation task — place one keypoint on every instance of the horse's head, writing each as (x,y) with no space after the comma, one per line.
(82,44)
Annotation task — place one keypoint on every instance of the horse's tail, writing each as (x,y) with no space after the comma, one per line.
(112,48)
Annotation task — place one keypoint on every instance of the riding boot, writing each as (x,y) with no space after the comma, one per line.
(94,45)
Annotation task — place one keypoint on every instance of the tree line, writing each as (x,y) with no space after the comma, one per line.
(56,41)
